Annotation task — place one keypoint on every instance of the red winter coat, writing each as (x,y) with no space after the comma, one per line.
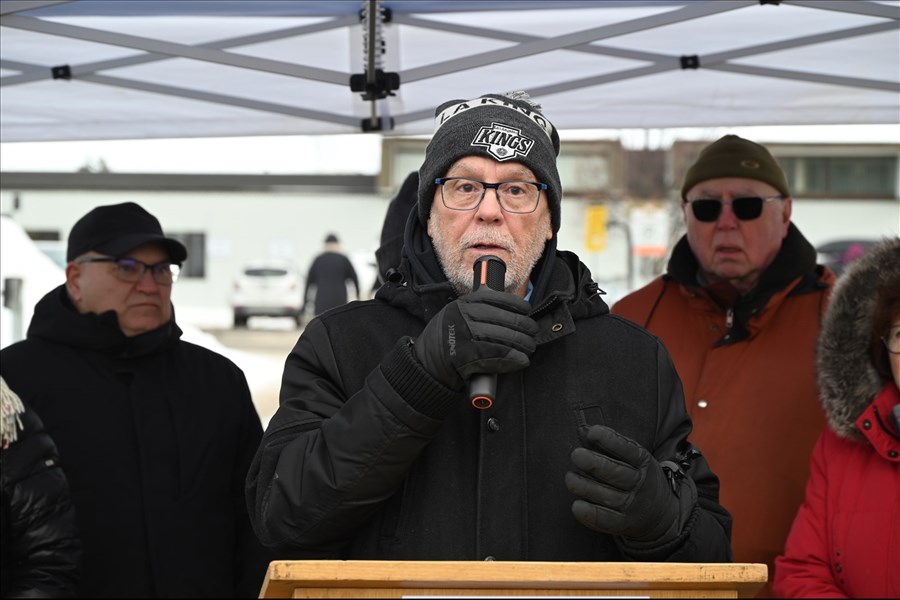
(845,540)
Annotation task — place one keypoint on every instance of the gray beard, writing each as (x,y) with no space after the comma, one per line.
(518,268)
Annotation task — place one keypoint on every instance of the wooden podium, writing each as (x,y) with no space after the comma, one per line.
(398,579)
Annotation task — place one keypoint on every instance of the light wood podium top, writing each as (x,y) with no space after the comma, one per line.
(386,579)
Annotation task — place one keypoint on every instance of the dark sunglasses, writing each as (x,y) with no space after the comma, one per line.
(745,209)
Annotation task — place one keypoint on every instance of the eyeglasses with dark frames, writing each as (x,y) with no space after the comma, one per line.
(132,270)
(747,208)
(517,197)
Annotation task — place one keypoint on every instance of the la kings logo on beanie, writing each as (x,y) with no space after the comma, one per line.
(502,127)
(502,142)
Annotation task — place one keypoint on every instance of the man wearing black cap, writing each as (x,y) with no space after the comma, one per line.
(578,450)
(154,433)
(739,309)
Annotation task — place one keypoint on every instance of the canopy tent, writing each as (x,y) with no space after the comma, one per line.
(88,70)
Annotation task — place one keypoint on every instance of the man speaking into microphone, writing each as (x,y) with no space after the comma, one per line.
(379,451)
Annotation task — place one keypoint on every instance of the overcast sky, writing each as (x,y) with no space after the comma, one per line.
(357,153)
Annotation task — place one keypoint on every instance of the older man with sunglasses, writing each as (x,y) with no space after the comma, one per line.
(739,309)
(154,433)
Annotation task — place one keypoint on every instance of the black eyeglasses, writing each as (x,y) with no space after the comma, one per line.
(745,209)
(132,270)
(519,197)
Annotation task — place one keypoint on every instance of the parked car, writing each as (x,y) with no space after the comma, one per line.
(270,288)
(838,254)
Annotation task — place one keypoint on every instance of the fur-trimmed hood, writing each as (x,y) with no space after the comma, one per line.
(848,381)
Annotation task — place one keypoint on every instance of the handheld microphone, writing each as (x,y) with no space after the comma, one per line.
(488,270)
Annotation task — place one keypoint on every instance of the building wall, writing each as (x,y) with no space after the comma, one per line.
(239,227)
(243,226)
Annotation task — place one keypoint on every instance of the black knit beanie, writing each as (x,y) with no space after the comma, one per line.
(497,126)
(733,156)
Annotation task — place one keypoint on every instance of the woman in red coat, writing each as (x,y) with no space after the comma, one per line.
(845,540)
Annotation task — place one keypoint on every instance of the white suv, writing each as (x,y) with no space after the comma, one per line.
(267,288)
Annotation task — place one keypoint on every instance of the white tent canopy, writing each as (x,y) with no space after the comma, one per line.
(163,69)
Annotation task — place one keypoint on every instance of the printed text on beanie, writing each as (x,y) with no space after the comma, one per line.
(500,127)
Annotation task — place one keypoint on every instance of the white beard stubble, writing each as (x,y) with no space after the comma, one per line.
(518,268)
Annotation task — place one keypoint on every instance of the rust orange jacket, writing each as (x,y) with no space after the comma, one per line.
(747,365)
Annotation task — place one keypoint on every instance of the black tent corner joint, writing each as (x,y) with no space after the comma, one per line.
(383,84)
(61,72)
(691,61)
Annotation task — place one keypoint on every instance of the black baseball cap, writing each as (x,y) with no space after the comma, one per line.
(117,229)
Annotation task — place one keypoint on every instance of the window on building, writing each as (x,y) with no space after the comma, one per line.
(48,241)
(841,176)
(195,265)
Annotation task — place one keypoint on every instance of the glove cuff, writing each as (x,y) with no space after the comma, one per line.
(656,551)
(413,383)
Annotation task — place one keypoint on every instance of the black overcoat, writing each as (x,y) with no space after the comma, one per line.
(368,457)
(155,435)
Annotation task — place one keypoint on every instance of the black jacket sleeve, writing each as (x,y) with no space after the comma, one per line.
(41,546)
(328,461)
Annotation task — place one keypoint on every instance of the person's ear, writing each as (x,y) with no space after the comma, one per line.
(73,280)
(786,215)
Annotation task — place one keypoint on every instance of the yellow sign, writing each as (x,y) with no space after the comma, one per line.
(595,228)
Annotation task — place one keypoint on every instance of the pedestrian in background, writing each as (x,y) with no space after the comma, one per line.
(845,540)
(328,277)
(41,550)
(155,434)
(739,309)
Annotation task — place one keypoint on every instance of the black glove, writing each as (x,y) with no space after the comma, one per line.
(485,331)
(623,491)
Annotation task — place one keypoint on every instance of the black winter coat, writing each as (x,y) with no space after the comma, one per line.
(41,550)
(329,275)
(368,457)
(155,436)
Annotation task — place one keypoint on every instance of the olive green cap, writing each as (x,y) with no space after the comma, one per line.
(733,156)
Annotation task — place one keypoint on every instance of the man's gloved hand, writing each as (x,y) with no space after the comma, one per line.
(623,491)
(485,331)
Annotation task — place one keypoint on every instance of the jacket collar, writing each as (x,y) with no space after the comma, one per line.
(876,425)
(57,320)
(793,271)
(795,258)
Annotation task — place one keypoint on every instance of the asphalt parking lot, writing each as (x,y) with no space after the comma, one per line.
(267,336)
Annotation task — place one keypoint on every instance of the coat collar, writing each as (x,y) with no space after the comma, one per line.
(876,426)
(793,272)
(57,320)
